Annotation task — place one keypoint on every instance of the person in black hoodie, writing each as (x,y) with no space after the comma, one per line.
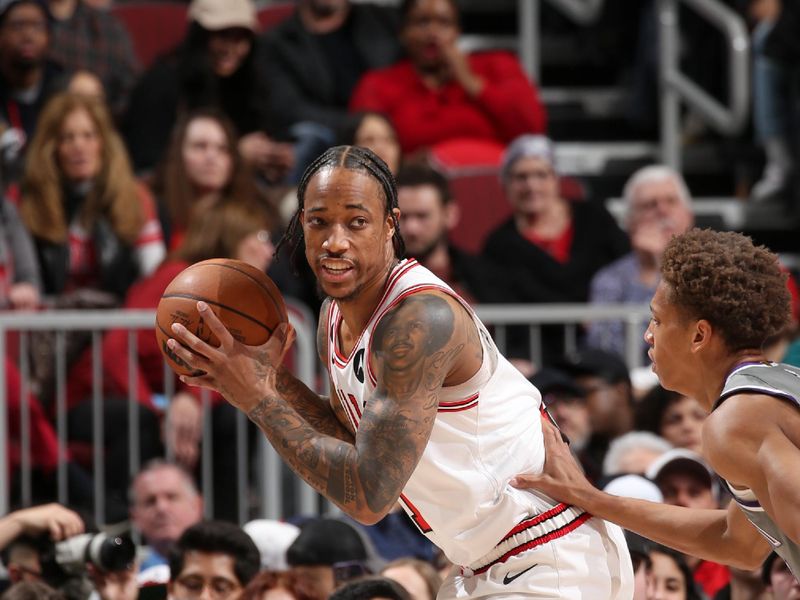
(214,67)
(552,245)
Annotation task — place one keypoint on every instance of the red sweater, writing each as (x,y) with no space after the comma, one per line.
(507,107)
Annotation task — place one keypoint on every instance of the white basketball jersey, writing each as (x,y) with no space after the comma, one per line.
(487,430)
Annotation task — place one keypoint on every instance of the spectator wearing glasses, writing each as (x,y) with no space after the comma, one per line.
(212,559)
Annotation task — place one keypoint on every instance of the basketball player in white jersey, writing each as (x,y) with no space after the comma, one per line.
(720,301)
(423,409)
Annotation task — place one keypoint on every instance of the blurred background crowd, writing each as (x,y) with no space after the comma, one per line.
(137,138)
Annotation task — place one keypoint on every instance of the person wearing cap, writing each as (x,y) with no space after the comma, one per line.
(606,383)
(685,479)
(719,303)
(325,553)
(657,206)
(778,578)
(216,66)
(439,93)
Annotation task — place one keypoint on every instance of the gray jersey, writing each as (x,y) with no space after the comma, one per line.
(781,381)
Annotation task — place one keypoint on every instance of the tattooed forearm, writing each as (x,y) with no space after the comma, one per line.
(414,347)
(315,409)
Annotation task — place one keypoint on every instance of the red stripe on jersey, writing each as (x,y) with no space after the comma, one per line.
(354,404)
(453,410)
(390,284)
(528,523)
(456,403)
(543,539)
(418,518)
(346,407)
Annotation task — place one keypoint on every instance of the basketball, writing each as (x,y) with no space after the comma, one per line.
(247,302)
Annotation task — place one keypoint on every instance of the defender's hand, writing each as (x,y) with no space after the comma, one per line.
(562,478)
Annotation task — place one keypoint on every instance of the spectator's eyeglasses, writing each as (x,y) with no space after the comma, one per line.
(348,570)
(192,586)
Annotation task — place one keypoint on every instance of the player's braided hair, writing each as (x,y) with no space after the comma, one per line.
(355,158)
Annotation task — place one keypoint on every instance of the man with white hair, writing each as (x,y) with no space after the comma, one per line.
(658,206)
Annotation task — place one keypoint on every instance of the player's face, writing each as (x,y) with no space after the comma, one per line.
(423,219)
(348,233)
(669,336)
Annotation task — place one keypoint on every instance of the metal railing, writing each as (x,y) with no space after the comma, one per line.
(582,12)
(271,473)
(676,87)
(270,479)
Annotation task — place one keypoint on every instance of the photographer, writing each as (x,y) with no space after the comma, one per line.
(19,529)
(48,544)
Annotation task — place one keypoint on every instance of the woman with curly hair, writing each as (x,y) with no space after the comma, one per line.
(720,304)
(93,224)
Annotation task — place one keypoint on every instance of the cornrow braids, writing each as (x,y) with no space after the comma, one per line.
(355,158)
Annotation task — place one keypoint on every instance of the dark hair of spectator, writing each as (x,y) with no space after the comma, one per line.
(408,5)
(354,158)
(31,590)
(750,304)
(692,592)
(218,537)
(371,587)
(172,186)
(114,192)
(274,580)
(651,408)
(415,175)
(433,581)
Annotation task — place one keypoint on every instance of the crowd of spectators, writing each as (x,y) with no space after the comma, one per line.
(116,176)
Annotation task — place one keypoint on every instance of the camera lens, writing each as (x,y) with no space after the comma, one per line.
(112,553)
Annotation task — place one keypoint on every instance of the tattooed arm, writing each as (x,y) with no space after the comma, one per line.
(414,348)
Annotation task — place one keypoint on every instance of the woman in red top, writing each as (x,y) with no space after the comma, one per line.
(438,93)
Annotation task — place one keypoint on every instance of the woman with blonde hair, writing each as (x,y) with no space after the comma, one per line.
(93,224)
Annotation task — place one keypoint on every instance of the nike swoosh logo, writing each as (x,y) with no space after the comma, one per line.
(509,578)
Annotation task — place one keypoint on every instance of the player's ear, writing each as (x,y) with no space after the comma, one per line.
(390,221)
(301,217)
(702,334)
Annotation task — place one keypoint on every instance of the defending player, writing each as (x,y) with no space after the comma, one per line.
(423,407)
(720,302)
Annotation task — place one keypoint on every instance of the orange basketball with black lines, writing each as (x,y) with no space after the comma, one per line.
(245,299)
